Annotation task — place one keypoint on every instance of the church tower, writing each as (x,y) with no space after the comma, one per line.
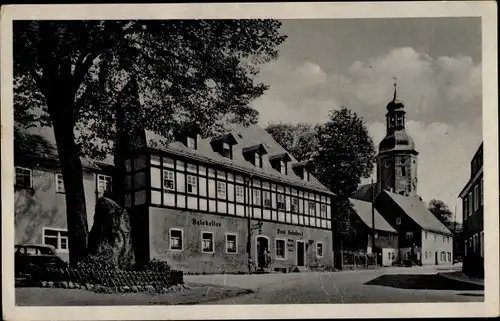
(397,157)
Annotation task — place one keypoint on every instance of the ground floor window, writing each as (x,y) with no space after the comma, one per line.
(176,239)
(207,240)
(24,177)
(56,238)
(231,245)
(449,257)
(319,249)
(482,239)
(280,249)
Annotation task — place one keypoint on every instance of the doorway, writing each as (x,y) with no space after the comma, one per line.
(301,260)
(261,248)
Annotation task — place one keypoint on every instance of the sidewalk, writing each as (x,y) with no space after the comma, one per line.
(460,277)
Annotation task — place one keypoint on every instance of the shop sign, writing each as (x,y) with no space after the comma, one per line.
(206,223)
(289,232)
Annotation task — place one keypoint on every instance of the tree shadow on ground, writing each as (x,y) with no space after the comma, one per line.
(422,282)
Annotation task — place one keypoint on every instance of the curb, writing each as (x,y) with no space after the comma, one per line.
(464,281)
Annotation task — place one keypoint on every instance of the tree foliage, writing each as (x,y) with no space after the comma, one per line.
(69,75)
(442,212)
(346,152)
(299,140)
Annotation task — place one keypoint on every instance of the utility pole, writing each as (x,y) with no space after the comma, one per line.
(373,221)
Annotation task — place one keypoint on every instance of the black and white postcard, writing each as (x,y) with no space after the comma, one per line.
(280,160)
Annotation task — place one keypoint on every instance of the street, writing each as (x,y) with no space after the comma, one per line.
(392,285)
(389,285)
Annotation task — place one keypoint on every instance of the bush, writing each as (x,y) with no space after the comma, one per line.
(154,266)
(96,262)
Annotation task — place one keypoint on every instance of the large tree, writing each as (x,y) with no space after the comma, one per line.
(345,155)
(69,75)
(442,212)
(298,139)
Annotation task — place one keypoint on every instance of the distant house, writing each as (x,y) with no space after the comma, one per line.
(473,217)
(386,237)
(420,233)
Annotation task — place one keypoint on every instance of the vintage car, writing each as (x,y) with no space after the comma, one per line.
(29,256)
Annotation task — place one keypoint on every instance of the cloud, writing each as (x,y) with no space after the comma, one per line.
(444,89)
(442,97)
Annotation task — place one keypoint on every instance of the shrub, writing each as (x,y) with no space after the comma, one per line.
(154,266)
(96,262)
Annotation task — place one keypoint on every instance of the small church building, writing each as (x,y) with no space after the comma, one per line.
(423,239)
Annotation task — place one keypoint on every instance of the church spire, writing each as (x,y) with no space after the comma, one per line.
(395,93)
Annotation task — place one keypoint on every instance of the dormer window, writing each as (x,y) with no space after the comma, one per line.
(226,150)
(279,162)
(224,145)
(191,142)
(302,169)
(258,160)
(188,136)
(253,154)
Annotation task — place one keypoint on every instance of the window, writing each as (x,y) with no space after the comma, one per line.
(231,245)
(449,257)
(322,209)
(103,183)
(434,237)
(267,199)
(403,171)
(281,202)
(226,150)
(256,196)
(221,190)
(56,238)
(312,208)
(398,221)
(258,160)
(191,184)
(176,239)
(481,192)
(476,197)
(481,244)
(282,167)
(295,205)
(24,177)
(168,180)
(425,254)
(239,193)
(470,204)
(306,175)
(465,248)
(191,142)
(319,249)
(207,240)
(59,183)
(409,235)
(443,238)
(466,208)
(426,235)
(280,249)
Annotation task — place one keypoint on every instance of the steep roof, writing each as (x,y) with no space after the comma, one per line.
(418,212)
(364,211)
(364,192)
(245,136)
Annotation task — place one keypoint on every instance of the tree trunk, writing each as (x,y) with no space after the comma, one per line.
(61,111)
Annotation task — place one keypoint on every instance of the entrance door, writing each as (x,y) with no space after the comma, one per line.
(262,248)
(300,253)
(436,256)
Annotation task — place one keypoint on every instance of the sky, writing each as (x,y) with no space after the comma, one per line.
(325,64)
